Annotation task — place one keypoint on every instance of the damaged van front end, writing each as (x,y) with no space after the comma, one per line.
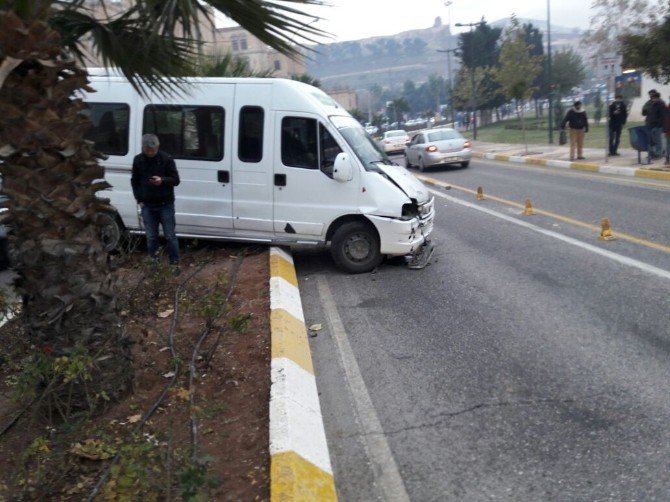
(407,234)
(398,205)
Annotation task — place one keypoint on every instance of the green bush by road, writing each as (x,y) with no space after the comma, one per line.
(507,132)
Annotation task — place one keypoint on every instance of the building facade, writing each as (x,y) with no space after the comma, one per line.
(242,44)
(217,41)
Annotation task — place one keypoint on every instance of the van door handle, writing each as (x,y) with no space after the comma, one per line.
(223,176)
(280,180)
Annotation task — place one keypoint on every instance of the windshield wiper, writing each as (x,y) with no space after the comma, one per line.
(386,162)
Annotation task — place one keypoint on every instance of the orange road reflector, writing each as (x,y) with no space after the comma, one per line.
(480,193)
(606,230)
(528,209)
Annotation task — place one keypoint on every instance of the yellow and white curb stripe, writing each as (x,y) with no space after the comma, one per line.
(299,461)
(582,166)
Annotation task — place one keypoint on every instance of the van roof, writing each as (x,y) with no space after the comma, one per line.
(317,95)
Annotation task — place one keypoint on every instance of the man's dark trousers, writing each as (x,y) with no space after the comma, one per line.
(615,138)
(162,214)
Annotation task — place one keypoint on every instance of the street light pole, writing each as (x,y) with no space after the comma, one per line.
(448,5)
(473,96)
(551,90)
(451,85)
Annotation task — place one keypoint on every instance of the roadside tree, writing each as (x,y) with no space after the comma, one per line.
(518,69)
(307,79)
(226,65)
(51,173)
(650,51)
(567,71)
(614,19)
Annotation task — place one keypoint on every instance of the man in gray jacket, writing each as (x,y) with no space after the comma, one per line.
(654,113)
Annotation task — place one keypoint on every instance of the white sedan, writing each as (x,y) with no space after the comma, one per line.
(394,141)
(438,147)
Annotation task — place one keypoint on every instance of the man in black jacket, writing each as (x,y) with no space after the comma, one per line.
(154,178)
(617,118)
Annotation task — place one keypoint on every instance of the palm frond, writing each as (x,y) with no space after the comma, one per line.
(126,42)
(278,23)
(177,16)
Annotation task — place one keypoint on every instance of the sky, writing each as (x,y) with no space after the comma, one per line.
(356,19)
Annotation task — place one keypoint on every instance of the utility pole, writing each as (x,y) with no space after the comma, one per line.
(549,86)
(473,96)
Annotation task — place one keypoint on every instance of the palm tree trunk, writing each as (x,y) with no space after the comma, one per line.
(51,176)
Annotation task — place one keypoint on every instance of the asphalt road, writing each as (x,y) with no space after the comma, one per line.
(527,362)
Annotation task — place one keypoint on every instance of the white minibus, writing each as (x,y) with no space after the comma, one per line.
(263,160)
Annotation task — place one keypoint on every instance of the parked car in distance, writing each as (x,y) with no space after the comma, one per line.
(394,141)
(437,147)
(370,129)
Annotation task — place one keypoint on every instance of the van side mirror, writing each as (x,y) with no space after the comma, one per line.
(343,170)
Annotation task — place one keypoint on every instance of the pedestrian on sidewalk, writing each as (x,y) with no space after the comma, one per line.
(666,130)
(578,125)
(654,115)
(617,118)
(153,180)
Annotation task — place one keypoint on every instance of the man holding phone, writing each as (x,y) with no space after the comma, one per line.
(153,180)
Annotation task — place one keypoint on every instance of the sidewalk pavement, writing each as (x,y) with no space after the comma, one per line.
(625,164)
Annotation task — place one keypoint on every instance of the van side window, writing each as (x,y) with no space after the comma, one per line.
(250,143)
(328,150)
(298,142)
(187,132)
(110,127)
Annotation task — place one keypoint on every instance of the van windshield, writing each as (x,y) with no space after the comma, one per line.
(365,148)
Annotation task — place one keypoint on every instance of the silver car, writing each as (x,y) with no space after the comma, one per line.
(437,147)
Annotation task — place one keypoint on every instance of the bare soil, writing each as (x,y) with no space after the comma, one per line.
(224,457)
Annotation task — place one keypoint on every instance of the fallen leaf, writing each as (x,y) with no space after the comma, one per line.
(93,449)
(182,393)
(163,349)
(134,418)
(169,374)
(166,313)
(315,327)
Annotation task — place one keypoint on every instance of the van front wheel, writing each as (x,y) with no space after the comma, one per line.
(355,248)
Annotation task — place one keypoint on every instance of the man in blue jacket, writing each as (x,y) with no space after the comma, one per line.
(153,180)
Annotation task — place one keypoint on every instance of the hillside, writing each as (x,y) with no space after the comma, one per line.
(389,61)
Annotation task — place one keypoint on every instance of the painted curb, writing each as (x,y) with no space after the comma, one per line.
(582,166)
(300,467)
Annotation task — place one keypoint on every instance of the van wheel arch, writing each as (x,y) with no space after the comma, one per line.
(113,232)
(355,244)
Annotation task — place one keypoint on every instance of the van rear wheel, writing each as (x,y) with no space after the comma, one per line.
(355,247)
(111,231)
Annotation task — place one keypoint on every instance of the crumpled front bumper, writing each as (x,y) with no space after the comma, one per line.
(401,237)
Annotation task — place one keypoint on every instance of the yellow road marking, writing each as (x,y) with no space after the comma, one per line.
(566,219)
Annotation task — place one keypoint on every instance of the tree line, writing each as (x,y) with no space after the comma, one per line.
(496,67)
